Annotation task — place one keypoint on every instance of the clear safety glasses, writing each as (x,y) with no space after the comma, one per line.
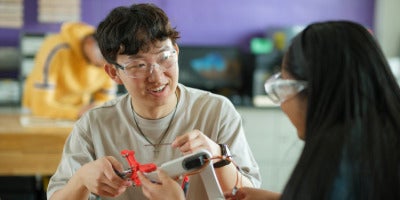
(280,90)
(140,68)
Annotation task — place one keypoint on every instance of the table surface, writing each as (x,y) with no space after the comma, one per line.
(30,147)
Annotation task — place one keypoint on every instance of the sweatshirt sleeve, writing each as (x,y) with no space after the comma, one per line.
(44,101)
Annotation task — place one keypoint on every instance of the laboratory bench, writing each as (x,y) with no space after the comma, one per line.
(30,150)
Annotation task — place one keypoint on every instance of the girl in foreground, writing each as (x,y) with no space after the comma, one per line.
(337,89)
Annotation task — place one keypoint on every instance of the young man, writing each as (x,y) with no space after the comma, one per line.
(140,46)
(68,77)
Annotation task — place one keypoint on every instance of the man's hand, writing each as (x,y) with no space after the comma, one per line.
(196,140)
(166,189)
(100,178)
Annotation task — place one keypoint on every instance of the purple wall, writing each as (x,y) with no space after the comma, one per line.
(210,22)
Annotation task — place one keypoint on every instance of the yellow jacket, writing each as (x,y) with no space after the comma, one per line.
(62,81)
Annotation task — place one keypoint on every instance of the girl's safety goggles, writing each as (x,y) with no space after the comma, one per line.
(280,90)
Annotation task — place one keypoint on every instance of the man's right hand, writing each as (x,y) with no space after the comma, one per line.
(99,177)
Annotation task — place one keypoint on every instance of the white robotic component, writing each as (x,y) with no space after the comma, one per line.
(187,164)
(183,165)
(190,163)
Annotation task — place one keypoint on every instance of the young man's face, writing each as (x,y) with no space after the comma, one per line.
(151,77)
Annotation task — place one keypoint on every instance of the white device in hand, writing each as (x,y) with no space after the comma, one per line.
(190,163)
(182,165)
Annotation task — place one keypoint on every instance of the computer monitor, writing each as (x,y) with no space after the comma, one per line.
(212,68)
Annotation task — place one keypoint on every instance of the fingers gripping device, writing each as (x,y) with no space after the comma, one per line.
(188,164)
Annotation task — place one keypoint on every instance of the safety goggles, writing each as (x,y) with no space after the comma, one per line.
(280,90)
(141,68)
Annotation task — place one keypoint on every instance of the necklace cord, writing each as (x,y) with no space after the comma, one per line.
(166,130)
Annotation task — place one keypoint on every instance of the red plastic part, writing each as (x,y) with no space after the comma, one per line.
(135,166)
(185,181)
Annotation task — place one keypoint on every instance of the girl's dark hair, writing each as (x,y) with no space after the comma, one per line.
(128,30)
(352,144)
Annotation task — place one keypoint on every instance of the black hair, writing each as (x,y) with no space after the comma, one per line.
(128,30)
(352,137)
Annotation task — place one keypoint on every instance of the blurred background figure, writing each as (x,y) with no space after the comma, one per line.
(68,76)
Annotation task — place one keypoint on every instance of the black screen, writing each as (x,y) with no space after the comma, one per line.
(215,69)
